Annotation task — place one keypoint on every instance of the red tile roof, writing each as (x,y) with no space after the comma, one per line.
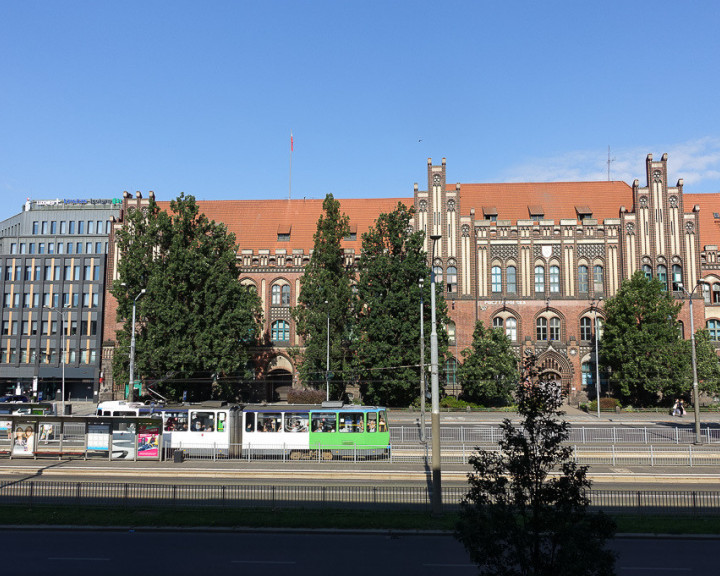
(558,199)
(709,225)
(256,223)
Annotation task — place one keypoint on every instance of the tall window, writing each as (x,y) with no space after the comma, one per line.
(716,293)
(285,295)
(585,328)
(662,275)
(280,331)
(541,328)
(676,277)
(539,279)
(587,375)
(496,277)
(511,277)
(451,376)
(451,333)
(583,278)
(511,329)
(555,279)
(452,280)
(598,283)
(276,295)
(713,326)
(706,292)
(554,329)
(498,322)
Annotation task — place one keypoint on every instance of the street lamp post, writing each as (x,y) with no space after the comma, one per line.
(597,357)
(436,475)
(131,388)
(61,313)
(421,282)
(696,393)
(327,365)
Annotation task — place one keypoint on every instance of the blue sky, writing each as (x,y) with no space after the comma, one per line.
(201,97)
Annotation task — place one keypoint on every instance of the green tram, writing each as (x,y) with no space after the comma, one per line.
(332,428)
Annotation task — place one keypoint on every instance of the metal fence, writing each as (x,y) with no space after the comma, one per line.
(417,498)
(486,435)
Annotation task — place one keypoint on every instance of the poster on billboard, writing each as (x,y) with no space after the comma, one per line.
(23,439)
(98,437)
(148,440)
(123,441)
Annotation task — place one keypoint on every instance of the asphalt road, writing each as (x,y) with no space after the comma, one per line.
(79,552)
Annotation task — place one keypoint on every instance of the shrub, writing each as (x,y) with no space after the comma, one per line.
(306,396)
(606,405)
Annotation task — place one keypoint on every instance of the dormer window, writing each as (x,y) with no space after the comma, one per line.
(490,213)
(583,212)
(536,212)
(283,233)
(352,236)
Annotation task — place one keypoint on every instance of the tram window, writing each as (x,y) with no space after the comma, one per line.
(296,421)
(382,421)
(323,422)
(351,422)
(221,417)
(372,421)
(269,422)
(124,413)
(250,422)
(176,421)
(202,421)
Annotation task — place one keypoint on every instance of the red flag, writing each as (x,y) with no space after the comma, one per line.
(291,142)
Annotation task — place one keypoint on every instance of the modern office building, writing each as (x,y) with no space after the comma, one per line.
(52,275)
(536,260)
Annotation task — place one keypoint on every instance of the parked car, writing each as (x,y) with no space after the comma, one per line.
(14,398)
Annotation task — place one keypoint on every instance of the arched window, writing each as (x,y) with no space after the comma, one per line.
(275,295)
(496,278)
(676,277)
(280,331)
(554,329)
(511,278)
(539,279)
(451,333)
(647,270)
(585,328)
(555,279)
(598,283)
(285,295)
(541,328)
(713,326)
(582,278)
(662,275)
(498,322)
(587,374)
(716,293)
(511,329)
(451,377)
(452,280)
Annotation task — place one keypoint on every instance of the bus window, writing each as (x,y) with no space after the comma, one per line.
(202,421)
(372,421)
(323,422)
(351,422)
(176,421)
(382,421)
(250,422)
(296,421)
(221,417)
(268,422)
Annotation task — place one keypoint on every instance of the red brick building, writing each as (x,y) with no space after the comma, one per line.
(535,259)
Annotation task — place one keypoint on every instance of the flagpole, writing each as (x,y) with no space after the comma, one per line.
(291,151)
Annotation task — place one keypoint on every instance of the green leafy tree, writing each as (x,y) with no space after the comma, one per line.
(195,318)
(517,519)
(489,370)
(641,342)
(326,291)
(708,364)
(392,262)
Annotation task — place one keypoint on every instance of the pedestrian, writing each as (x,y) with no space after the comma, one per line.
(676,408)
(681,409)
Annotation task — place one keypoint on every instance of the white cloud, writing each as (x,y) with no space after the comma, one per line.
(697,162)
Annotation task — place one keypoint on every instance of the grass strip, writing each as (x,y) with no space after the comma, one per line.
(305,519)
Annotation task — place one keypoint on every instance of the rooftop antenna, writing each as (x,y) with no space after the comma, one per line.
(609,161)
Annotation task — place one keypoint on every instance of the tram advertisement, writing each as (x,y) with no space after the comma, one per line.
(148,440)
(23,439)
